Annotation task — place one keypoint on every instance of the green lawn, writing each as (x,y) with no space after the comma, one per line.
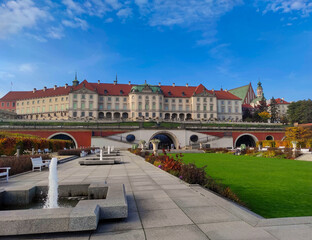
(269,187)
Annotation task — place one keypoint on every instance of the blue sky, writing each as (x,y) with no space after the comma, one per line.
(226,43)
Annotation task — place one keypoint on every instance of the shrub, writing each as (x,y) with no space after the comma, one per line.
(216,150)
(190,173)
(9,142)
(193,175)
(19,164)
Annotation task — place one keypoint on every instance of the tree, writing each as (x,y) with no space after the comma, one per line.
(263,106)
(264,116)
(298,133)
(273,110)
(300,111)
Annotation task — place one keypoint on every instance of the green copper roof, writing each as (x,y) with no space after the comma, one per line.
(257,99)
(240,92)
(139,88)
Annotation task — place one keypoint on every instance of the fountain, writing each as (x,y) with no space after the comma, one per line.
(108,158)
(51,201)
(101,154)
(93,202)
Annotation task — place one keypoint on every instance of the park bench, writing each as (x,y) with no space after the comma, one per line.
(39,163)
(6,173)
(46,150)
(83,154)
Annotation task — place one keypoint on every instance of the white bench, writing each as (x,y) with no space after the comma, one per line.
(6,173)
(46,150)
(83,154)
(39,163)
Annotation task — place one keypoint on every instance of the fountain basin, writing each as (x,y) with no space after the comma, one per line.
(97,161)
(105,201)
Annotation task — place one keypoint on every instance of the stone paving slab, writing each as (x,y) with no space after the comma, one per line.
(162,207)
(234,231)
(164,218)
(185,232)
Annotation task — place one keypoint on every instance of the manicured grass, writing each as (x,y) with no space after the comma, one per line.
(269,187)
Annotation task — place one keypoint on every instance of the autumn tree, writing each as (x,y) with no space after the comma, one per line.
(298,133)
(264,116)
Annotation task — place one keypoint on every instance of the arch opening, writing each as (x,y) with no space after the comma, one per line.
(248,140)
(101,115)
(64,136)
(165,141)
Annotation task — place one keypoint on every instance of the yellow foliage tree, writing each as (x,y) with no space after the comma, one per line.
(264,115)
(298,133)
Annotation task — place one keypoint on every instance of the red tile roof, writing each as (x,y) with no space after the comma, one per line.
(12,96)
(111,89)
(226,95)
(247,106)
(178,91)
(281,101)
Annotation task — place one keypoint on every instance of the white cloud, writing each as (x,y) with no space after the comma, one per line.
(109,20)
(124,13)
(19,14)
(76,23)
(26,67)
(55,32)
(304,7)
(173,12)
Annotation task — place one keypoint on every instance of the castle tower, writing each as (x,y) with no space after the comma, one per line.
(75,82)
(259,90)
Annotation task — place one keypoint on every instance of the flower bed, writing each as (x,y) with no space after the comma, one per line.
(20,164)
(188,172)
(9,142)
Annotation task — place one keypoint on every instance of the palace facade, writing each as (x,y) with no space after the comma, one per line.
(92,101)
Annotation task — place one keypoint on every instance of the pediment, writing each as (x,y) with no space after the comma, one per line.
(204,94)
(84,90)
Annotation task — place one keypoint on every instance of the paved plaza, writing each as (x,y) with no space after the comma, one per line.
(163,207)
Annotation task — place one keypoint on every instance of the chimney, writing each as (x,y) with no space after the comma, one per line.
(55,87)
(186,85)
(44,88)
(34,90)
(173,84)
(98,81)
(129,82)
(282,98)
(212,90)
(159,84)
(115,82)
(66,85)
(225,90)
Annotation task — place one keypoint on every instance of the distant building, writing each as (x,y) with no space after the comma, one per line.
(250,100)
(87,100)
(282,106)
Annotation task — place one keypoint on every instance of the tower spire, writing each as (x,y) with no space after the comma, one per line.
(75,82)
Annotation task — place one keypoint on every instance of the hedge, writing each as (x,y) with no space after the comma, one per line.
(20,164)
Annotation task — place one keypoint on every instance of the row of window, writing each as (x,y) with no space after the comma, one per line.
(43,101)
(229,102)
(229,109)
(8,104)
(43,109)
